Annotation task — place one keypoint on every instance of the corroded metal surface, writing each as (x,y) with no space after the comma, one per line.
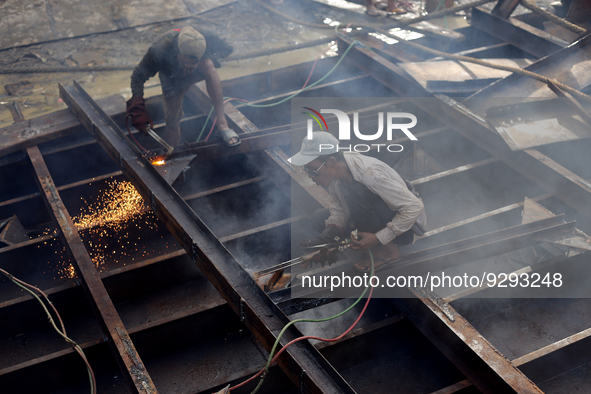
(462,118)
(523,36)
(302,363)
(44,128)
(98,296)
(536,122)
(485,366)
(87,18)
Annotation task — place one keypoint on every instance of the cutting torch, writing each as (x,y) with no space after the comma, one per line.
(323,253)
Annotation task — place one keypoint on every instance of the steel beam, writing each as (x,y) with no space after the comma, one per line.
(450,255)
(504,8)
(453,171)
(556,358)
(125,353)
(260,229)
(307,196)
(302,363)
(47,127)
(223,188)
(59,188)
(458,117)
(461,343)
(479,247)
(519,34)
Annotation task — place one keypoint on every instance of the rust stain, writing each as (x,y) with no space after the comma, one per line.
(482,347)
(54,200)
(137,369)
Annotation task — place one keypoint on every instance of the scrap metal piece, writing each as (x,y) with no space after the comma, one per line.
(571,101)
(171,169)
(13,231)
(538,122)
(577,239)
(458,73)
(532,212)
(20,88)
(15,111)
(279,280)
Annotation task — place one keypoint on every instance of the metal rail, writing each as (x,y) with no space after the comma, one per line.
(208,151)
(302,363)
(455,337)
(519,34)
(481,246)
(546,173)
(44,128)
(451,339)
(440,257)
(124,350)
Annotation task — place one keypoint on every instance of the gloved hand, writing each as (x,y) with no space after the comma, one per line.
(323,257)
(136,109)
(330,234)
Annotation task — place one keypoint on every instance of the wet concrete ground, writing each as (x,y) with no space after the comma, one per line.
(47,35)
(33,21)
(248,26)
(96,41)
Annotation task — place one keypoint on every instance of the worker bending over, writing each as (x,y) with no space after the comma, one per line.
(181,58)
(367,195)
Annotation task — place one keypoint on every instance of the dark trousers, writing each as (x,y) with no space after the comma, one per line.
(173,94)
(369,212)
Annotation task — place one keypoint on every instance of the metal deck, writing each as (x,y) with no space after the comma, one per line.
(166,303)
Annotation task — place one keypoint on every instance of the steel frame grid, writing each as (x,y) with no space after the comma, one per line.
(301,363)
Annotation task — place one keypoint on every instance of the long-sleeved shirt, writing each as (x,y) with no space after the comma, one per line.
(382,180)
(163,57)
